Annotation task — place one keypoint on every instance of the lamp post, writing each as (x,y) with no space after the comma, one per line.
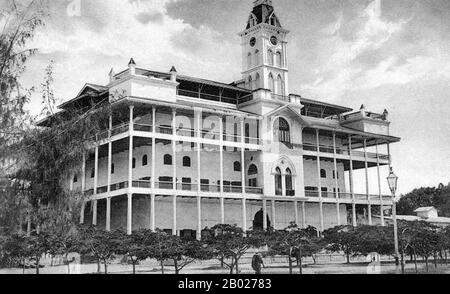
(392,182)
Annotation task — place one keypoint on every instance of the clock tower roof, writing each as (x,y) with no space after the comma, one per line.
(263,12)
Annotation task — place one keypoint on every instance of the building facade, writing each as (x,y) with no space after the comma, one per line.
(183,153)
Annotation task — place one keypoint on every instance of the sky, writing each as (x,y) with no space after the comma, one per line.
(385,54)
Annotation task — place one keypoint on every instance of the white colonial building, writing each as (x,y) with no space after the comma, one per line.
(191,153)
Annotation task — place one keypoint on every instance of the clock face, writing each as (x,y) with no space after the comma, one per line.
(274,40)
(252,42)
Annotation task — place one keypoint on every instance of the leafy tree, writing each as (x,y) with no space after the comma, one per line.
(230,242)
(135,246)
(295,243)
(15,249)
(158,247)
(101,244)
(185,252)
(38,245)
(341,239)
(438,197)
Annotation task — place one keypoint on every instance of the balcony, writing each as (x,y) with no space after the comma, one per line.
(205,96)
(344,151)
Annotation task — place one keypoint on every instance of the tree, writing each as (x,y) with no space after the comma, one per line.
(38,245)
(185,252)
(295,243)
(135,246)
(341,239)
(230,242)
(15,249)
(157,246)
(438,197)
(101,244)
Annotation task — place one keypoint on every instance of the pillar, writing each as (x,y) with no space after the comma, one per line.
(94,213)
(130,150)
(174,150)
(109,156)
(244,215)
(366,168)
(199,218)
(304,215)
(152,212)
(83,174)
(83,205)
(130,214)
(273,213)
(322,227)
(265,214)
(96,171)
(379,187)
(243,157)
(296,213)
(351,182)
(174,215)
(153,173)
(108,214)
(222,201)
(336,180)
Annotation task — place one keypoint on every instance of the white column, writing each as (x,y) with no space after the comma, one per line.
(94,213)
(379,187)
(130,151)
(243,157)
(296,213)
(109,156)
(96,171)
(130,214)
(174,151)
(174,214)
(366,166)
(152,207)
(322,227)
(83,205)
(336,180)
(83,174)
(351,182)
(198,115)
(108,214)
(244,214)
(83,187)
(153,166)
(222,201)
(304,215)
(199,218)
(153,173)
(274,215)
(265,214)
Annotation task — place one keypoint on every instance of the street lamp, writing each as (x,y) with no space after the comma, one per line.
(392,182)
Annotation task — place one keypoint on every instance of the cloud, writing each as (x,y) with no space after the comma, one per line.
(339,69)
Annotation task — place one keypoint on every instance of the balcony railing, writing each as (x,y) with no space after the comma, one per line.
(211,97)
(281,98)
(254,190)
(343,151)
(143,128)
(120,129)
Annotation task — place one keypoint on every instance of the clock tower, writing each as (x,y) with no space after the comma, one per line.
(264,50)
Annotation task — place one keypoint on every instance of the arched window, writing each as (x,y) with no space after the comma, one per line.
(249,60)
(252,170)
(144,160)
(252,21)
(278,182)
(167,159)
(134,163)
(282,131)
(257,81)
(237,166)
(289,183)
(256,57)
(112,168)
(75,178)
(278,59)
(250,83)
(270,57)
(273,20)
(271,83)
(186,161)
(279,85)
(323,174)
(93,172)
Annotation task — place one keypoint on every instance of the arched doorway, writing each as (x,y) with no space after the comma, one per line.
(258,221)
